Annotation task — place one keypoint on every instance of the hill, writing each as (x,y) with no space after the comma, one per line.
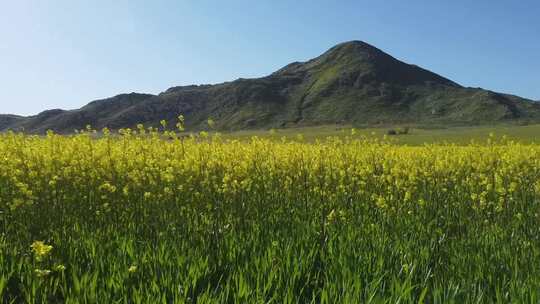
(8,120)
(352,83)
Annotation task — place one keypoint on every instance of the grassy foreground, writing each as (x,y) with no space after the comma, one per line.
(139,219)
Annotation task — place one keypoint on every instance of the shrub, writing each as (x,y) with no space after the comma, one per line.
(404,130)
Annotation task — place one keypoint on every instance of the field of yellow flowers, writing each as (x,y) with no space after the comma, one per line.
(147,216)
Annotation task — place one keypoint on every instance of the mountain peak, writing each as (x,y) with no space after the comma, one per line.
(365,63)
(347,51)
(354,45)
(355,49)
(351,83)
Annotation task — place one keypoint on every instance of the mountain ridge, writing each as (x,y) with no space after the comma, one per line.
(351,83)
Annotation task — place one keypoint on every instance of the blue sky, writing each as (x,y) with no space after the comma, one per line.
(63,54)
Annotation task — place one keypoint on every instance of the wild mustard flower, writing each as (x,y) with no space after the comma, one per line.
(211,123)
(42,272)
(208,190)
(40,250)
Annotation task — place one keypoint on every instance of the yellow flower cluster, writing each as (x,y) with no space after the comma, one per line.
(161,209)
(40,249)
(147,166)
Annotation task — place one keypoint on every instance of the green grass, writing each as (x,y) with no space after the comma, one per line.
(417,136)
(139,219)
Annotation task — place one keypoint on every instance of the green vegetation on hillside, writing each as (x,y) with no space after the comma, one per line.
(352,83)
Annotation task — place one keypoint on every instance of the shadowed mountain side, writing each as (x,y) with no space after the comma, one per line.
(100,113)
(8,120)
(352,83)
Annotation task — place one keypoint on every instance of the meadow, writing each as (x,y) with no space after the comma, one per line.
(417,136)
(148,216)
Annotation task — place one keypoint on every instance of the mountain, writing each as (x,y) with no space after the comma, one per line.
(8,120)
(352,83)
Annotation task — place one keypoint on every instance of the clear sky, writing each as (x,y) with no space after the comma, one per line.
(65,53)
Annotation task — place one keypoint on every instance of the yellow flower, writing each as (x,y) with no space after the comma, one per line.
(331,216)
(40,249)
(381,202)
(408,196)
(211,123)
(42,272)
(147,195)
(107,187)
